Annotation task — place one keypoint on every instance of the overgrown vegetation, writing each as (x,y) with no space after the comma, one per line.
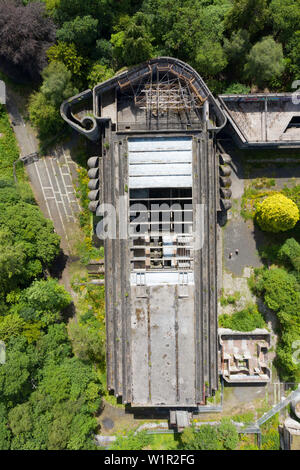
(280,290)
(245,320)
(48,397)
(207,437)
(279,286)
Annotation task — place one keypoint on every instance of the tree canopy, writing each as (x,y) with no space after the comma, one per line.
(25,35)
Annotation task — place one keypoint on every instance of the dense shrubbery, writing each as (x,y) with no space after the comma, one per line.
(277,213)
(245,320)
(48,397)
(28,244)
(280,289)
(207,437)
(290,251)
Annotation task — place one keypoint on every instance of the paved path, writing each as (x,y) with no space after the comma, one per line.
(25,135)
(51,178)
(238,233)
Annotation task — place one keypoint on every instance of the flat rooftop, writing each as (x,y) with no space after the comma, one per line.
(264,118)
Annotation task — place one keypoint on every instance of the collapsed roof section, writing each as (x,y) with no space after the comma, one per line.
(162,94)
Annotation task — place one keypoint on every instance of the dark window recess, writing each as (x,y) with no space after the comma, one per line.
(294,122)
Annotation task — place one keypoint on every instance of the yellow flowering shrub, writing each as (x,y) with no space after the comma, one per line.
(277,213)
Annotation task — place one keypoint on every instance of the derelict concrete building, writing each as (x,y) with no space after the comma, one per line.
(158,165)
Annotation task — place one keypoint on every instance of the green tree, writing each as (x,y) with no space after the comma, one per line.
(210,58)
(102,52)
(264,62)
(99,73)
(247,319)
(20,418)
(133,44)
(281,293)
(57,85)
(236,49)
(190,30)
(277,213)
(11,325)
(33,237)
(81,31)
(43,301)
(71,379)
(293,56)
(5,434)
(251,15)
(87,341)
(68,55)
(237,89)
(203,438)
(44,116)
(54,346)
(67,10)
(290,251)
(285,15)
(15,373)
(209,437)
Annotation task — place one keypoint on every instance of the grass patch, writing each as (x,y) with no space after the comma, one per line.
(246,418)
(165,441)
(270,439)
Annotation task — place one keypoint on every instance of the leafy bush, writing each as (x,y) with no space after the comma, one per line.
(277,213)
(230,299)
(246,320)
(237,89)
(290,251)
(208,437)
